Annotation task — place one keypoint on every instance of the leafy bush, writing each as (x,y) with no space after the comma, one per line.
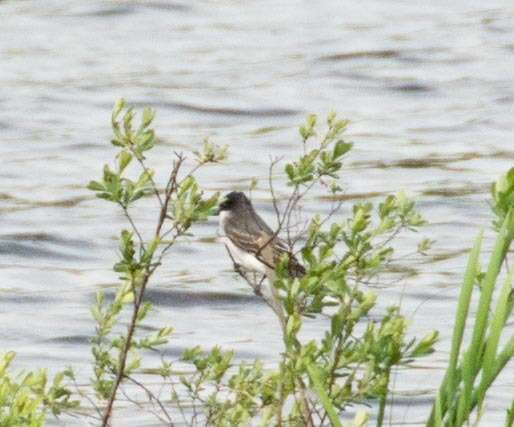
(116,356)
(26,398)
(316,381)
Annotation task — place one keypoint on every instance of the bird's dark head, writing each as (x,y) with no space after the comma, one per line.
(232,201)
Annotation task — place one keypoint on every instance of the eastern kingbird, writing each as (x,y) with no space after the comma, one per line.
(250,242)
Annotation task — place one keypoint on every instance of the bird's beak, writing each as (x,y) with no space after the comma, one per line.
(217,209)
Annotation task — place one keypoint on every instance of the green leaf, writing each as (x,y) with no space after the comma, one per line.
(290,171)
(426,345)
(95,186)
(124,159)
(331,117)
(118,106)
(147,118)
(341,148)
(128,298)
(311,120)
(211,153)
(320,389)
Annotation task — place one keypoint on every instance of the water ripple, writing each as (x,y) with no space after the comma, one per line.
(182,298)
(223,111)
(367,54)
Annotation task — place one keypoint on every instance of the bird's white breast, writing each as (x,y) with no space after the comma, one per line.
(245,259)
(223,218)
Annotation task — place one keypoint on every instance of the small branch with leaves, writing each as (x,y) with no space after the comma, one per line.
(315,381)
(182,203)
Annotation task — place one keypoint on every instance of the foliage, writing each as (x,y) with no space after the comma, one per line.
(316,381)
(472,370)
(502,192)
(26,398)
(509,421)
(182,203)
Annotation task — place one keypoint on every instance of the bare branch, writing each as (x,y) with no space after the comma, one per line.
(133,225)
(153,397)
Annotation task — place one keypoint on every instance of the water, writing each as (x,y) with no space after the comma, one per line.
(428,89)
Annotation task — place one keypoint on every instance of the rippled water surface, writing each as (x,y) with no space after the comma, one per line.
(429,90)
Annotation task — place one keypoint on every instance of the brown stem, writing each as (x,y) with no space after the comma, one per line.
(304,403)
(153,397)
(124,354)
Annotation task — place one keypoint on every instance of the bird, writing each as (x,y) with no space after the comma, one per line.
(253,246)
(251,243)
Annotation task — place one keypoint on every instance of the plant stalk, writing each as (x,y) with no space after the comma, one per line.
(170,188)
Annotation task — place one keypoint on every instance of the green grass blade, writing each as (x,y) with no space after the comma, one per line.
(509,421)
(322,394)
(472,361)
(464,404)
(501,246)
(438,417)
(496,327)
(449,384)
(458,411)
(462,313)
(501,361)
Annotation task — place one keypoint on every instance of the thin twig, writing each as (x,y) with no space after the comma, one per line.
(148,173)
(91,401)
(152,396)
(141,406)
(179,404)
(133,225)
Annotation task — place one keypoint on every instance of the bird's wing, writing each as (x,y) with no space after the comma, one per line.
(251,239)
(256,237)
(268,248)
(243,239)
(262,224)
